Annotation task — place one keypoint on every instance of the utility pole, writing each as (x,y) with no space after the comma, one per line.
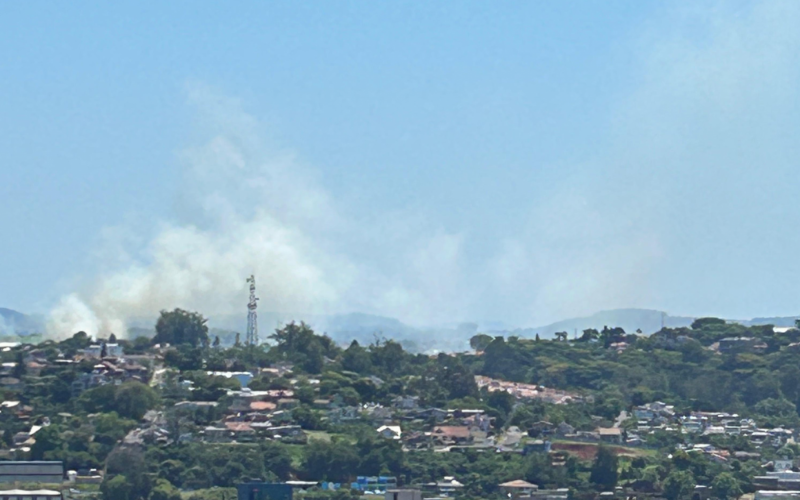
(252,315)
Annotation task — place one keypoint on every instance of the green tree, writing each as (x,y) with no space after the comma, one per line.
(604,469)
(48,439)
(133,399)
(116,488)
(679,484)
(334,460)
(356,359)
(181,327)
(164,490)
(130,464)
(726,486)
(480,341)
(701,323)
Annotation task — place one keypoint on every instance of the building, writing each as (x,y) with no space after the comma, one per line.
(390,431)
(610,435)
(518,488)
(776,495)
(32,472)
(30,495)
(403,495)
(264,491)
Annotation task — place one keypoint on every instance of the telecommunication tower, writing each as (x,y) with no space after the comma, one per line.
(252,315)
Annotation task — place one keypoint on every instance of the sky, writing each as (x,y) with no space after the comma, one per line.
(521,162)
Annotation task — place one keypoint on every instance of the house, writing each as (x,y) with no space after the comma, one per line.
(738,344)
(344,414)
(564,429)
(518,488)
(451,434)
(537,446)
(240,431)
(448,486)
(406,402)
(214,434)
(262,406)
(390,431)
(243,378)
(610,435)
(436,414)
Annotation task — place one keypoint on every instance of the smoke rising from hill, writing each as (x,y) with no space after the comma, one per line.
(671,192)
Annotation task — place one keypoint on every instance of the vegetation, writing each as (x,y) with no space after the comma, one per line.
(129,424)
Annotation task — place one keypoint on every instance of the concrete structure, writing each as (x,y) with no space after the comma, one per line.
(30,495)
(32,472)
(403,495)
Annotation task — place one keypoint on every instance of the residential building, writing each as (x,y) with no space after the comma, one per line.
(41,472)
(518,488)
(390,431)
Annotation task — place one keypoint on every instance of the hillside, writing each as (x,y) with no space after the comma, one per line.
(646,320)
(16,323)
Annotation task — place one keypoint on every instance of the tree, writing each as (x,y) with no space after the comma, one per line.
(679,484)
(129,463)
(590,334)
(164,490)
(604,469)
(701,323)
(133,399)
(116,488)
(356,359)
(181,327)
(47,439)
(726,486)
(480,341)
(20,368)
(217,341)
(112,339)
(561,336)
(333,461)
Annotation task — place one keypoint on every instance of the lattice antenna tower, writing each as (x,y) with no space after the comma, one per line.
(252,315)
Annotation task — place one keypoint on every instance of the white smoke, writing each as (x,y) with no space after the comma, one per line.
(668,195)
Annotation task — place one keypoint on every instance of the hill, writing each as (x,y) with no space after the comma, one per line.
(16,323)
(646,320)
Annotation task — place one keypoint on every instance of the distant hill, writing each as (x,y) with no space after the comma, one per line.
(16,323)
(365,328)
(776,321)
(646,320)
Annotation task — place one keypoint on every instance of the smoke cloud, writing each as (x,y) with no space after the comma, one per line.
(696,150)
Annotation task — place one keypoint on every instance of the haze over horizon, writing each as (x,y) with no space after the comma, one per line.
(433,163)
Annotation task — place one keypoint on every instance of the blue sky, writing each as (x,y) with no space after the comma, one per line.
(458,161)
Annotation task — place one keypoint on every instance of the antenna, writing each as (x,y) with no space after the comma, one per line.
(252,315)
